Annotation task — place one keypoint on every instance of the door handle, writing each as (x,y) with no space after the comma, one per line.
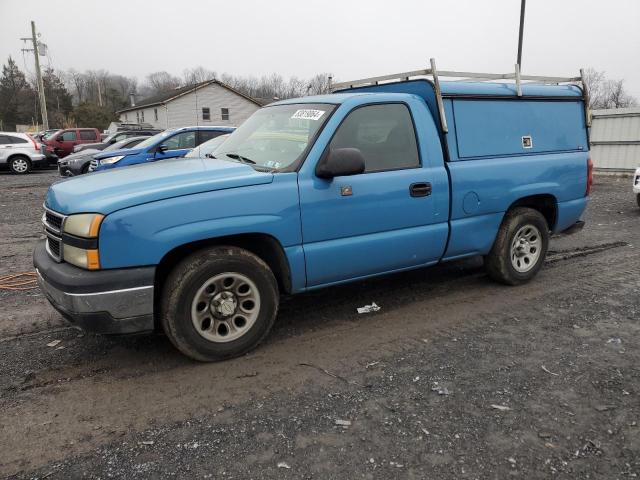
(420,189)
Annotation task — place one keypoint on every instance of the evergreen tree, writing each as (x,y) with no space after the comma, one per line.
(17,98)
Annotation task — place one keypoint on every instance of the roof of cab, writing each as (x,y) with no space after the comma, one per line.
(335,98)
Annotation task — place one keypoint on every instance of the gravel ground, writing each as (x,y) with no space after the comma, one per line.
(455,376)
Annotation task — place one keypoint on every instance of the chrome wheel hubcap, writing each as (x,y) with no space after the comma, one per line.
(225,307)
(20,166)
(526,248)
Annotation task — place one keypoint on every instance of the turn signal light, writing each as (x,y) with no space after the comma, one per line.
(589,177)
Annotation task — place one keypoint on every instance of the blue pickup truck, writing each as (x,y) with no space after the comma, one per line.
(317,191)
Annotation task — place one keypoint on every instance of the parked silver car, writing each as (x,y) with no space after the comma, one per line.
(20,153)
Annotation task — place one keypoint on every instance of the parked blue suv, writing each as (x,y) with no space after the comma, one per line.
(175,142)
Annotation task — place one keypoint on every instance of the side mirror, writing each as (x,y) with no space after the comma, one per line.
(340,162)
(162,148)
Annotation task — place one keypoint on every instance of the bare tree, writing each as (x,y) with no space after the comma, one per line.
(198,74)
(319,84)
(605,93)
(160,82)
(76,84)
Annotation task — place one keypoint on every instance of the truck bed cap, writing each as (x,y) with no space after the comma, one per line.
(507,89)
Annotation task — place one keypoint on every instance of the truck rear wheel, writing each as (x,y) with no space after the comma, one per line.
(520,247)
(219,303)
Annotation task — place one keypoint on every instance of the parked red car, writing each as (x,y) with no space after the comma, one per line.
(63,141)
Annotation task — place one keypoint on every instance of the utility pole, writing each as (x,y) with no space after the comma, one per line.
(522,5)
(36,54)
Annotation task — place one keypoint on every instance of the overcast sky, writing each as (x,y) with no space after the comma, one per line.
(348,38)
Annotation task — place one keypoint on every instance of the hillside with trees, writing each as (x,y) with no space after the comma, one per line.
(91,98)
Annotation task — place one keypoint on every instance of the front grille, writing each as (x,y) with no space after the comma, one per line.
(54,246)
(53,220)
(53,223)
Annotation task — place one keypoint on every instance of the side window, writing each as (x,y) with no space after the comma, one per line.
(181,140)
(224,113)
(12,140)
(69,136)
(4,140)
(206,113)
(87,135)
(383,133)
(205,135)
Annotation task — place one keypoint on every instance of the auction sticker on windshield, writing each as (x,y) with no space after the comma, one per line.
(308,114)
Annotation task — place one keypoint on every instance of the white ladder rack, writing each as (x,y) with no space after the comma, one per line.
(466,77)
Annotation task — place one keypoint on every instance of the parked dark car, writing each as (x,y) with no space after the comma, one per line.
(114,138)
(78,163)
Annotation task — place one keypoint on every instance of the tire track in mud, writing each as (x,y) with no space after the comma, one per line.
(554,256)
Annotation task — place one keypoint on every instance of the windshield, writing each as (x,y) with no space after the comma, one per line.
(155,139)
(275,137)
(207,147)
(126,143)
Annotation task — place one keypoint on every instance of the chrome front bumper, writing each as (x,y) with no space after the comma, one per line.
(109,302)
(125,303)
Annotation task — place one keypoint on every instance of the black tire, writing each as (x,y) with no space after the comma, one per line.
(20,164)
(498,263)
(188,278)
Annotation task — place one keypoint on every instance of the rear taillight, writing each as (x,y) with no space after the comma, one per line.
(589,177)
(35,145)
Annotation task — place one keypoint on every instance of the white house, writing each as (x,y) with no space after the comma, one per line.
(206,103)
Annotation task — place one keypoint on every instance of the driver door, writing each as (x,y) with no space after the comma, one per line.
(379,221)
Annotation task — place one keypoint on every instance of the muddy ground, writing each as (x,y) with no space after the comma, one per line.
(455,377)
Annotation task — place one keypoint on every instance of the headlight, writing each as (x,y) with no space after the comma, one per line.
(80,240)
(84,225)
(110,160)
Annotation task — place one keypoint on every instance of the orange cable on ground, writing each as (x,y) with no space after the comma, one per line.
(19,281)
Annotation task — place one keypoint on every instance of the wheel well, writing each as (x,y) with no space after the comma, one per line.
(264,246)
(19,155)
(545,203)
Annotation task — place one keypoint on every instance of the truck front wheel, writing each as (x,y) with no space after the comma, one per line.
(219,303)
(520,247)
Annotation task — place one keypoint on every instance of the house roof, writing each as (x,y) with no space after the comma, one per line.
(166,97)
